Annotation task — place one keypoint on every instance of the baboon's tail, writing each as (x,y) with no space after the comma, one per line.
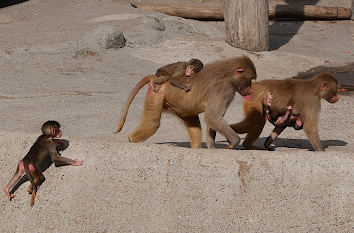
(132,95)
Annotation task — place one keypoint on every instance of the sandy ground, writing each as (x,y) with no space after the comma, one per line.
(161,185)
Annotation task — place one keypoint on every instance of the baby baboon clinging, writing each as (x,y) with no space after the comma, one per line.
(43,147)
(177,73)
(214,88)
(304,97)
(288,119)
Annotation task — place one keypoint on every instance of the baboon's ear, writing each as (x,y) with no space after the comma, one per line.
(324,85)
(239,71)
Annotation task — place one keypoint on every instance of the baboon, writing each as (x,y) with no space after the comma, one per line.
(177,73)
(288,119)
(43,147)
(214,88)
(304,97)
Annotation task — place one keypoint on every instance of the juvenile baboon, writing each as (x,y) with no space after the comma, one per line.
(177,73)
(304,97)
(42,148)
(214,88)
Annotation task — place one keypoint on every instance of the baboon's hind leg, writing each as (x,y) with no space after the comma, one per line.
(150,120)
(252,125)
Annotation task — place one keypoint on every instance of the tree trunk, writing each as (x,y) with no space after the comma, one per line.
(297,11)
(185,11)
(308,12)
(246,23)
(352,10)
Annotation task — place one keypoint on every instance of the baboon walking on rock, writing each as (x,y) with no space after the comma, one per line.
(304,97)
(214,88)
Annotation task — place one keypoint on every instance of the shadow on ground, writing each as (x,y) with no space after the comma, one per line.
(281,31)
(303,143)
(279,142)
(6,3)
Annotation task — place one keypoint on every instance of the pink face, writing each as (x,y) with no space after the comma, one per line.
(56,132)
(246,91)
(330,92)
(245,84)
(190,70)
(334,98)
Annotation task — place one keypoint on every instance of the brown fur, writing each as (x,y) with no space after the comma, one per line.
(130,99)
(40,150)
(177,73)
(303,95)
(213,90)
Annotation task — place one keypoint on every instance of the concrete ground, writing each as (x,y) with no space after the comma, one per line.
(51,68)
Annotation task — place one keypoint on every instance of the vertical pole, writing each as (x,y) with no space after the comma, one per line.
(246,23)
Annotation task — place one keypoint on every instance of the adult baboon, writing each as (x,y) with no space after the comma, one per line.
(214,88)
(304,97)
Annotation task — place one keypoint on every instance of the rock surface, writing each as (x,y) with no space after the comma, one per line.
(48,72)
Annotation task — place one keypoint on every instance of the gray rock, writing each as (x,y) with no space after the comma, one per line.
(105,37)
(152,22)
(149,31)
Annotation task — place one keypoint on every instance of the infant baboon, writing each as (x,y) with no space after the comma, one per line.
(177,73)
(41,149)
(288,119)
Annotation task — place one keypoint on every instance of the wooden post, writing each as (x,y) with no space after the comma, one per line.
(246,24)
